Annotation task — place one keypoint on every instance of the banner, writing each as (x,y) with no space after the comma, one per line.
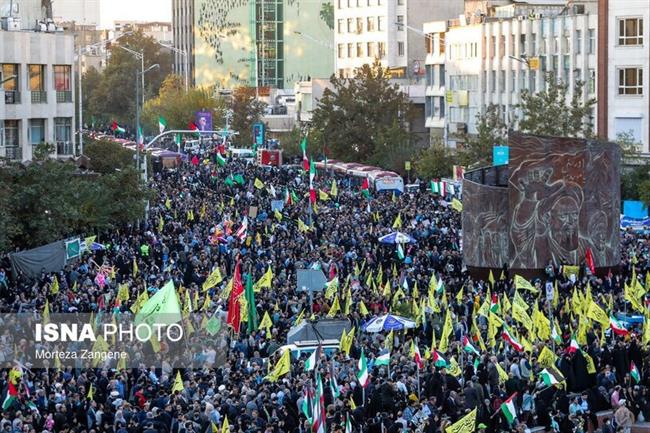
(466,424)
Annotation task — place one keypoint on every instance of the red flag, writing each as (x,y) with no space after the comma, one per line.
(114,125)
(589,258)
(192,126)
(234,313)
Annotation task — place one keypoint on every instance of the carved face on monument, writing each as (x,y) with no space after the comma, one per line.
(565,215)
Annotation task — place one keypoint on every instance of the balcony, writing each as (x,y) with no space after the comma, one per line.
(39,97)
(14,153)
(12,97)
(63,96)
(64,148)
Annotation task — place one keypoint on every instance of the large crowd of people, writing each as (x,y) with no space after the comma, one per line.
(193,226)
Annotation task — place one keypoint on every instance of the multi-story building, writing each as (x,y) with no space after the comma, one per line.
(82,12)
(386,30)
(492,59)
(270,43)
(624,71)
(160,31)
(183,36)
(36,92)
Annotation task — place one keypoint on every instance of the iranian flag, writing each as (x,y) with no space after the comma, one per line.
(313,359)
(417,357)
(287,197)
(348,424)
(312,175)
(221,161)
(555,335)
(507,335)
(467,346)
(12,396)
(318,408)
(617,327)
(573,345)
(305,160)
(162,124)
(438,360)
(634,372)
(140,136)
(365,189)
(383,359)
(362,375)
(400,252)
(551,376)
(117,128)
(334,387)
(508,408)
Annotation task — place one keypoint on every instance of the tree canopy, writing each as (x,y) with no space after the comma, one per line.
(246,110)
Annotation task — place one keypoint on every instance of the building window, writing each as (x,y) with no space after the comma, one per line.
(11,133)
(359,49)
(36,78)
(359,25)
(10,73)
(591,49)
(382,49)
(380,23)
(502,46)
(400,23)
(578,42)
(62,129)
(630,31)
(400,49)
(350,25)
(400,2)
(493,80)
(522,45)
(592,81)
(370,25)
(36,131)
(340,4)
(341,25)
(341,50)
(630,81)
(350,51)
(372,49)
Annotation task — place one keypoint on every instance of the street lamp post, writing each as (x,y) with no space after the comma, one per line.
(187,63)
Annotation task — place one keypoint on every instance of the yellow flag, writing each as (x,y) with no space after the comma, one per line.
(225,427)
(446,332)
(264,281)
(348,341)
(456,205)
(46,313)
(335,307)
(521,316)
(466,424)
(140,301)
(454,368)
(491,278)
(281,368)
(161,223)
(517,299)
(386,292)
(322,195)
(597,314)
(100,345)
(214,279)
(91,392)
(168,203)
(398,221)
(334,191)
(302,226)
(278,215)
(178,383)
(123,292)
(353,405)
(507,306)
(343,340)
(362,309)
(266,323)
(459,296)
(523,284)
(347,305)
(388,342)
(591,367)
(55,286)
(135,267)
(258,184)
(503,376)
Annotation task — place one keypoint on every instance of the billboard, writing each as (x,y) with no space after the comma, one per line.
(203,120)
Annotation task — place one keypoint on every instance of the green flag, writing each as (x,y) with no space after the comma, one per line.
(250,301)
(162,308)
(238,178)
(229,181)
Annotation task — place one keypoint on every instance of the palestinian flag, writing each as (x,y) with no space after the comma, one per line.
(439,187)
(417,357)
(162,124)
(307,397)
(117,128)
(11,397)
(318,408)
(383,359)
(508,408)
(365,189)
(312,175)
(334,387)
(348,424)
(438,360)
(362,375)
(313,359)
(221,161)
(494,304)
(511,339)
(617,327)
(555,334)
(634,372)
(305,161)
(573,345)
(467,346)
(195,129)
(551,376)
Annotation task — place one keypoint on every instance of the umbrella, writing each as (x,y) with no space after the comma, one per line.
(387,322)
(397,238)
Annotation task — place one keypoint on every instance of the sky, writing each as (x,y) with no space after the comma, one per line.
(140,10)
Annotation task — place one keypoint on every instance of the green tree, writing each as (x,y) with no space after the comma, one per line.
(89,84)
(491,131)
(548,112)
(435,162)
(107,156)
(114,96)
(356,115)
(635,170)
(246,110)
(327,14)
(177,106)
